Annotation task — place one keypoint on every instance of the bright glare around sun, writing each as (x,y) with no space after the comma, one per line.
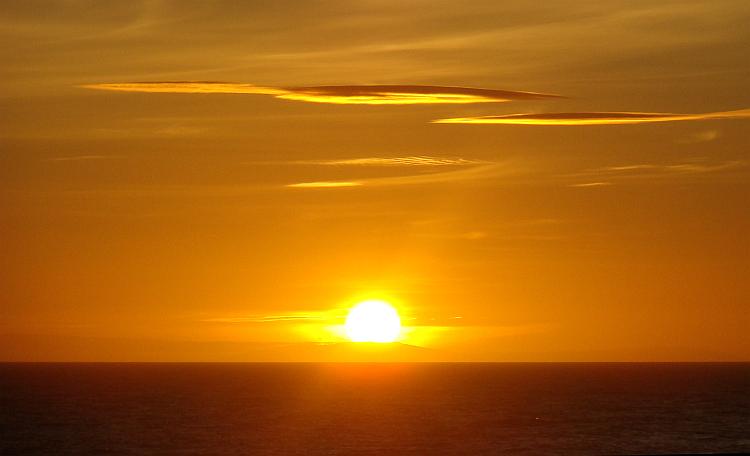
(373,321)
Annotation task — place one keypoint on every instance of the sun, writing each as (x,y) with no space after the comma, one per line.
(373,321)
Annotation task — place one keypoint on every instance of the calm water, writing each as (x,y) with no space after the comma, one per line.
(383,409)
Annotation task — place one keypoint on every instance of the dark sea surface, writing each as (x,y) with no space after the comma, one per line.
(378,409)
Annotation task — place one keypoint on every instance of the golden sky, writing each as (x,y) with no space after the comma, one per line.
(523,181)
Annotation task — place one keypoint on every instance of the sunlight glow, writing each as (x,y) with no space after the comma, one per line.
(373,321)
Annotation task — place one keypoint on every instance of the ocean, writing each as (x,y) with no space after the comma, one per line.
(374,408)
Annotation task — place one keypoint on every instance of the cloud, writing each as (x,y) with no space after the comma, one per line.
(271,318)
(187,87)
(324,184)
(591,184)
(470,235)
(653,171)
(407,94)
(703,136)
(483,172)
(81,158)
(678,168)
(592,118)
(339,94)
(403,161)
(386,161)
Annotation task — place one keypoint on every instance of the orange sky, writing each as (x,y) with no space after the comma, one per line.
(562,181)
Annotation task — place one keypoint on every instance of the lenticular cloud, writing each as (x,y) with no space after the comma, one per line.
(339,94)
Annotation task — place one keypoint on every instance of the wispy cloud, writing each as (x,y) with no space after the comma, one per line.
(703,136)
(481,172)
(677,168)
(653,171)
(591,184)
(81,158)
(388,161)
(325,184)
(470,235)
(592,118)
(405,161)
(339,94)
(271,318)
(406,94)
(188,87)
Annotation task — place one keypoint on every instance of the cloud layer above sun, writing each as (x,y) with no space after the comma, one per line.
(340,94)
(592,118)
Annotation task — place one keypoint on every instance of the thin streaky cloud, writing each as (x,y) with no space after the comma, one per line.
(647,171)
(592,118)
(80,158)
(187,87)
(678,168)
(407,94)
(591,184)
(400,161)
(629,167)
(270,318)
(461,175)
(324,184)
(475,173)
(339,94)
(471,235)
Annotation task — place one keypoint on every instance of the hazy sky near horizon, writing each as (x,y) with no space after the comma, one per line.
(148,213)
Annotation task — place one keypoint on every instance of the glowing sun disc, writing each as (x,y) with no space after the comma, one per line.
(373,321)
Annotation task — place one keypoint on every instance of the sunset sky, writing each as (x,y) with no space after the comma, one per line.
(522,181)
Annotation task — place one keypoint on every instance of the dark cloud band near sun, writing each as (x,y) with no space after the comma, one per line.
(339,94)
(592,118)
